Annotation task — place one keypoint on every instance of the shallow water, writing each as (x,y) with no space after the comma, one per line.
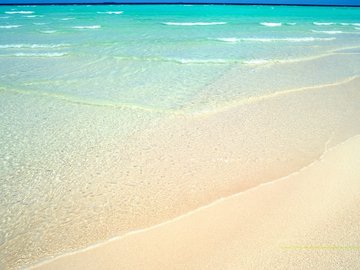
(111,117)
(125,50)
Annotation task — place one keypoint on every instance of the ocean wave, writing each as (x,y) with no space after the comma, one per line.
(300,39)
(355,24)
(332,32)
(4,17)
(193,23)
(257,62)
(290,23)
(67,19)
(19,12)
(48,31)
(39,23)
(9,26)
(178,60)
(111,12)
(33,46)
(87,27)
(323,23)
(48,54)
(202,61)
(270,24)
(272,61)
(230,40)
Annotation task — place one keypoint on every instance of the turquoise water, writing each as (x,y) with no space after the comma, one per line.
(118,55)
(105,112)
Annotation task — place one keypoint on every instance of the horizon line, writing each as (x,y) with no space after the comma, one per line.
(174,3)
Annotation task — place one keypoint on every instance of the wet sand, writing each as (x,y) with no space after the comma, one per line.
(184,163)
(307,220)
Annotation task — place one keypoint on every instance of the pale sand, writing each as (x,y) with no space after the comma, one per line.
(187,162)
(307,220)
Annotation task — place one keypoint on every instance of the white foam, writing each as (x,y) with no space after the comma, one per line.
(111,12)
(345,24)
(87,27)
(270,24)
(40,23)
(257,62)
(328,32)
(194,23)
(4,17)
(181,60)
(357,28)
(323,23)
(230,40)
(33,46)
(19,12)
(67,19)
(30,16)
(356,24)
(9,26)
(201,61)
(48,31)
(300,39)
(52,54)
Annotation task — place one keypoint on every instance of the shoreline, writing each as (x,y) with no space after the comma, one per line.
(142,121)
(187,130)
(193,213)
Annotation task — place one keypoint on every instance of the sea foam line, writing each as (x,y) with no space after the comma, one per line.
(196,210)
(224,60)
(323,23)
(271,24)
(178,60)
(67,19)
(194,23)
(33,46)
(111,12)
(300,39)
(10,26)
(48,31)
(87,27)
(89,102)
(288,60)
(19,12)
(254,99)
(47,54)
(332,32)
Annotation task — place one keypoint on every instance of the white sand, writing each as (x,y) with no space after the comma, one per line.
(308,220)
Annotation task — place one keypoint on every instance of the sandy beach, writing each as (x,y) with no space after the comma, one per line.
(179,137)
(307,220)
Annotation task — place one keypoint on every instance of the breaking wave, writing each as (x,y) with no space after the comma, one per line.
(270,24)
(300,39)
(193,23)
(87,27)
